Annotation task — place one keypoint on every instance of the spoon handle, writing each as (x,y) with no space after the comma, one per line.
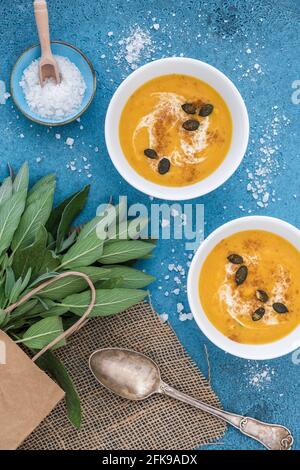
(272,436)
(42,22)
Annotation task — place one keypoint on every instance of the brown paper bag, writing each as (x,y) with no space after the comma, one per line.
(27,394)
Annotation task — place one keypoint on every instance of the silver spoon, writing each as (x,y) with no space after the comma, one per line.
(134,376)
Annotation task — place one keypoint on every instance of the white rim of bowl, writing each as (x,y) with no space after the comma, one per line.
(213,181)
(272,350)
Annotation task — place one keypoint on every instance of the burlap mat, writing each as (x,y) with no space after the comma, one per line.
(110,422)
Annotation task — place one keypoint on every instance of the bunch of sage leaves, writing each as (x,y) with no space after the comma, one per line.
(37,243)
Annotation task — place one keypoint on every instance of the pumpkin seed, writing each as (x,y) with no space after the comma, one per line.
(241,275)
(191,125)
(280,308)
(150,153)
(235,259)
(258,314)
(189,108)
(262,295)
(206,110)
(164,166)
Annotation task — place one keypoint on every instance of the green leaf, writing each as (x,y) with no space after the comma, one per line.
(10,216)
(124,250)
(9,281)
(67,242)
(35,215)
(6,190)
(71,210)
(23,309)
(15,291)
(58,372)
(22,179)
(71,285)
(131,278)
(83,253)
(42,186)
(32,256)
(108,301)
(100,223)
(111,283)
(3,318)
(50,262)
(41,333)
(129,229)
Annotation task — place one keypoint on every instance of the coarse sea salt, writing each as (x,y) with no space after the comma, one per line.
(52,100)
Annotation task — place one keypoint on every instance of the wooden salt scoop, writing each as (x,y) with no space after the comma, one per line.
(48,67)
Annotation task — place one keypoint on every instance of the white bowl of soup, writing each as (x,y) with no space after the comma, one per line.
(176,128)
(244,287)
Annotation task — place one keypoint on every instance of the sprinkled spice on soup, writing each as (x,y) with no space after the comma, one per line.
(250,287)
(175,130)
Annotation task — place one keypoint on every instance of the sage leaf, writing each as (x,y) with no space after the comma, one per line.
(51,262)
(72,209)
(111,283)
(43,185)
(35,215)
(6,190)
(22,179)
(128,229)
(10,216)
(9,281)
(131,278)
(108,301)
(101,223)
(124,250)
(41,333)
(23,309)
(3,318)
(67,242)
(51,364)
(83,253)
(32,256)
(72,284)
(55,216)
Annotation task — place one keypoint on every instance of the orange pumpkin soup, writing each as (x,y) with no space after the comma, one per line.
(175,130)
(250,287)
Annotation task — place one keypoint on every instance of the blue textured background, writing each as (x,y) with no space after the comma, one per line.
(256,43)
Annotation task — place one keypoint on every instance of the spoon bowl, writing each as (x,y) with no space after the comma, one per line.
(127,373)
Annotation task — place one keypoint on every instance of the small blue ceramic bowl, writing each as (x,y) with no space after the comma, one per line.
(58,48)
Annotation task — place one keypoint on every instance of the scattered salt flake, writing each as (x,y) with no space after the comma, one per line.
(22,136)
(156,26)
(164,317)
(248,50)
(38,159)
(110,33)
(174,212)
(259,375)
(135,43)
(165,223)
(57,136)
(180,307)
(185,316)
(70,141)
